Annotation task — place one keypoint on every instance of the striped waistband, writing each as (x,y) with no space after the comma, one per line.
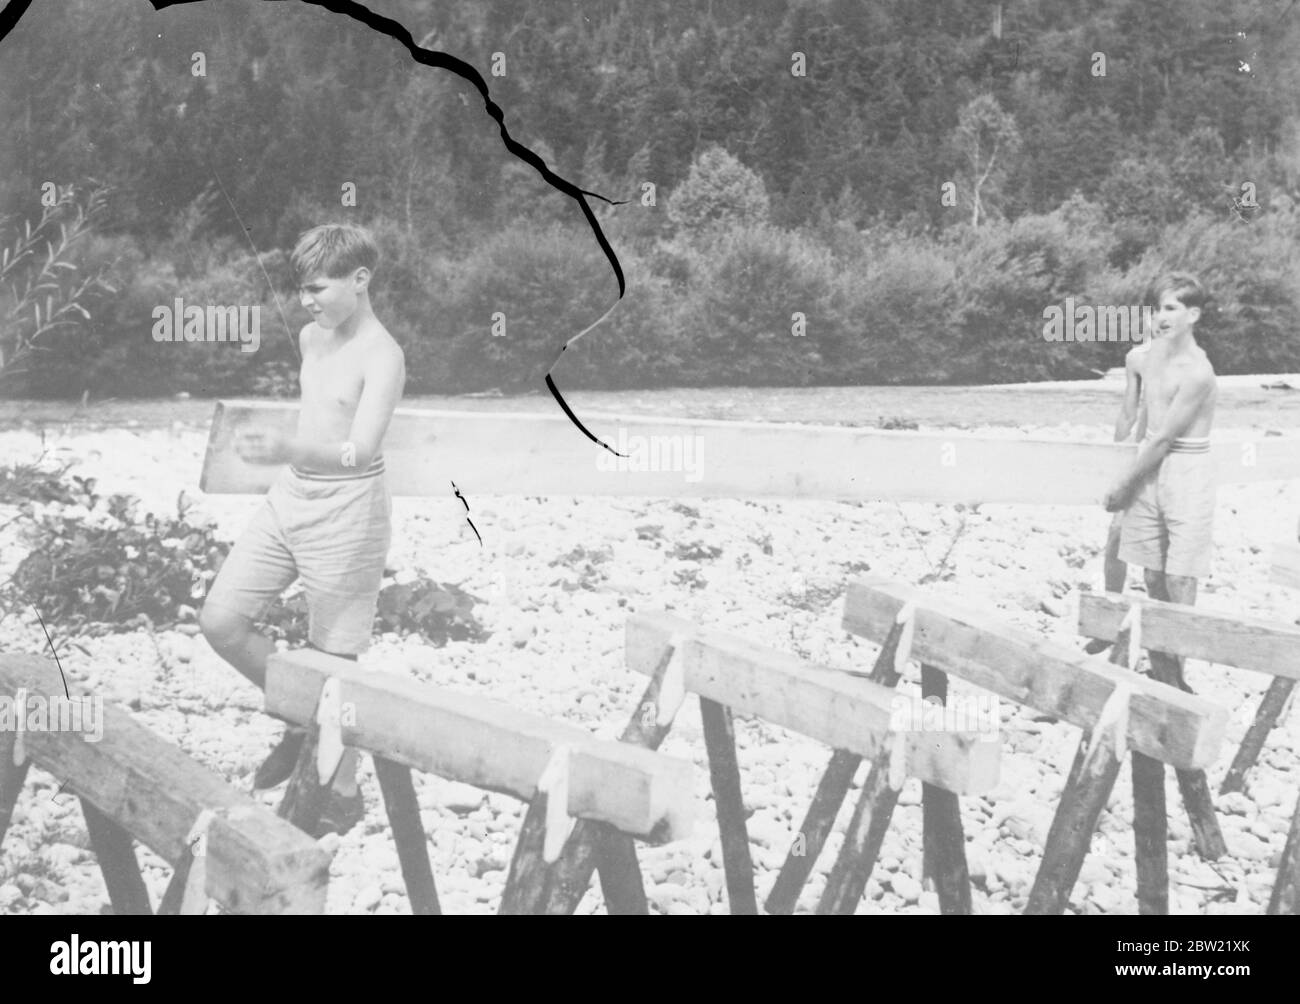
(1188,444)
(375,469)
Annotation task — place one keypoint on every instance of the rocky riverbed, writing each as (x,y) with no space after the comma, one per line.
(558,578)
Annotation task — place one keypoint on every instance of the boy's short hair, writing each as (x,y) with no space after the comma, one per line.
(1187,289)
(335,250)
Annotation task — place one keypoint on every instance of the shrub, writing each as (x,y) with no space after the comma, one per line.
(718,188)
(746,285)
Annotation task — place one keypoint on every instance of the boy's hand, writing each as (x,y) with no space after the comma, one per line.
(1118,498)
(261,446)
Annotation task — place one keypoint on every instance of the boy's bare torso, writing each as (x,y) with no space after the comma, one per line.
(332,378)
(1169,368)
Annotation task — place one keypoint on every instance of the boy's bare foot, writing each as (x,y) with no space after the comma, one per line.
(278,767)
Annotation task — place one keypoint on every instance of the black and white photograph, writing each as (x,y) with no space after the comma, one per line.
(649,457)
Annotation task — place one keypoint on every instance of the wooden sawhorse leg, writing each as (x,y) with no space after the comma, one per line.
(1286,891)
(1270,710)
(112,845)
(408,835)
(568,878)
(1087,790)
(942,839)
(1193,786)
(831,792)
(724,774)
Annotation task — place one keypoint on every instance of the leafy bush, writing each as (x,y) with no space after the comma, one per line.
(549,283)
(97,564)
(437,613)
(717,189)
(738,316)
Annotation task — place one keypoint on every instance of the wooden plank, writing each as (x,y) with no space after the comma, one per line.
(1196,633)
(529,879)
(174,894)
(1286,890)
(255,862)
(942,839)
(1087,790)
(620,875)
(1150,835)
(1284,568)
(1192,784)
(843,711)
(112,846)
(409,836)
(487,743)
(1164,722)
(1270,710)
(724,774)
(544,454)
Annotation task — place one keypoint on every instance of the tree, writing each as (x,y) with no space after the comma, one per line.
(718,188)
(40,280)
(984,133)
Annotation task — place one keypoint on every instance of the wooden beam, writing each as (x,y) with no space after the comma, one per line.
(409,836)
(843,711)
(1286,889)
(544,454)
(1285,565)
(117,861)
(620,875)
(1196,633)
(848,877)
(1086,792)
(1166,723)
(724,775)
(1150,835)
(255,863)
(943,841)
(486,743)
(1266,718)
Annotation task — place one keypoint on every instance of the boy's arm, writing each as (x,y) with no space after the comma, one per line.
(1129,407)
(1184,408)
(383,380)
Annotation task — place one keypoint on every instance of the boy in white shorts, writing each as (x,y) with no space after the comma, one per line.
(328,516)
(1170,489)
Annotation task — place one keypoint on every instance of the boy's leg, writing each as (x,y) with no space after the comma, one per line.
(236,639)
(1116,574)
(1188,502)
(256,571)
(342,549)
(1180,589)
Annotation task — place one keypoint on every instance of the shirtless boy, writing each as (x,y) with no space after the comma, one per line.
(1169,490)
(328,515)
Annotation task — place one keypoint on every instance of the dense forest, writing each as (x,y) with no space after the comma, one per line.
(808,191)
